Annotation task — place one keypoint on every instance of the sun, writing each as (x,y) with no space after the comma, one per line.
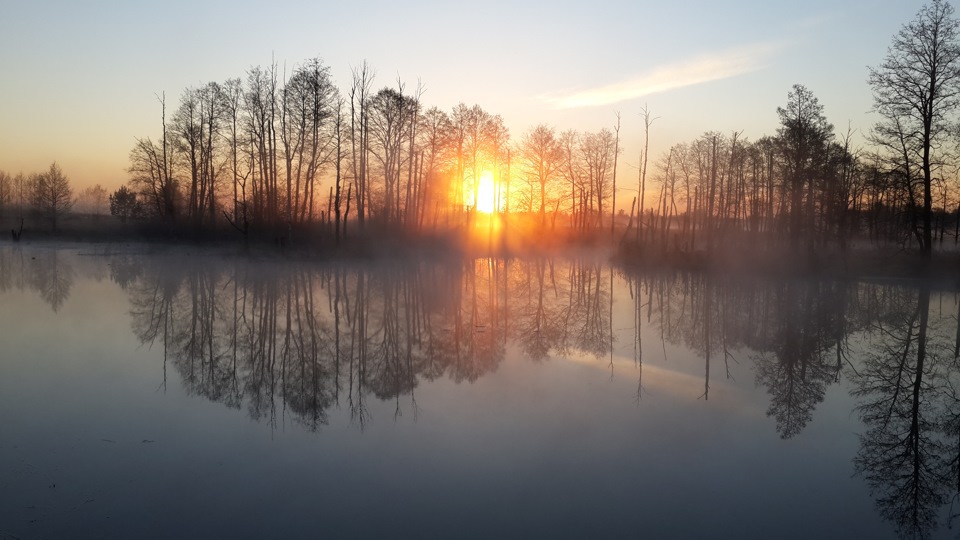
(486,197)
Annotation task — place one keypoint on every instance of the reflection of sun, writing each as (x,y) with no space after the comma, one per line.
(486,198)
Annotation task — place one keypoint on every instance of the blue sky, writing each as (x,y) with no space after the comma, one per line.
(80,78)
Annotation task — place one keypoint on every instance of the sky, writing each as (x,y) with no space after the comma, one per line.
(79,81)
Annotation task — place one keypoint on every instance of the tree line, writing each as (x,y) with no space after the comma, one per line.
(276,151)
(281,150)
(806,187)
(257,153)
(47,197)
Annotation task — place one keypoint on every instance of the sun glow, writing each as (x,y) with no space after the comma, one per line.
(486,193)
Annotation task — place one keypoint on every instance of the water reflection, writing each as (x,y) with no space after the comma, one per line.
(909,403)
(795,332)
(802,352)
(46,272)
(306,338)
(899,352)
(301,340)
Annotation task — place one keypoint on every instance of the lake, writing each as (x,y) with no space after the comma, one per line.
(158,393)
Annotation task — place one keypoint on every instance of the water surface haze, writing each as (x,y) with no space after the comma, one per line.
(147,393)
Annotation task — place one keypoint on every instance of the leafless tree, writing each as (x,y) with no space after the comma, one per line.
(6,191)
(917,86)
(542,158)
(93,200)
(51,195)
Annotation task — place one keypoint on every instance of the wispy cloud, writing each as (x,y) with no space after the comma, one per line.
(696,70)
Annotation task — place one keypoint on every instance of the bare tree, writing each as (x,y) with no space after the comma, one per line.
(93,200)
(7,194)
(542,157)
(596,150)
(260,100)
(435,137)
(339,153)
(642,188)
(917,86)
(359,134)
(390,130)
(306,103)
(150,179)
(616,155)
(51,195)
(231,99)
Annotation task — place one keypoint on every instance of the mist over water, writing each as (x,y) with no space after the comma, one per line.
(187,394)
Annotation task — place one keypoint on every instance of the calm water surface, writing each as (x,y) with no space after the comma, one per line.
(163,395)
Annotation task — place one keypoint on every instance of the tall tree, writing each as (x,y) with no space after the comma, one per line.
(306,106)
(616,155)
(92,200)
(596,152)
(804,134)
(6,190)
(390,129)
(51,195)
(483,133)
(150,179)
(231,99)
(645,155)
(359,134)
(339,153)
(917,86)
(434,135)
(542,157)
(260,100)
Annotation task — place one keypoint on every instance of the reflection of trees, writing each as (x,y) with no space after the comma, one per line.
(293,341)
(46,272)
(908,401)
(51,276)
(798,330)
(689,310)
(125,269)
(299,340)
(11,267)
(793,363)
(540,325)
(586,318)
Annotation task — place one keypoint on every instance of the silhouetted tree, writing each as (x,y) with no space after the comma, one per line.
(125,205)
(803,135)
(542,158)
(6,191)
(51,195)
(390,115)
(360,89)
(915,89)
(308,98)
(150,178)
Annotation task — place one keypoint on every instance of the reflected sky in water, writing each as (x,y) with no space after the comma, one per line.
(158,395)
